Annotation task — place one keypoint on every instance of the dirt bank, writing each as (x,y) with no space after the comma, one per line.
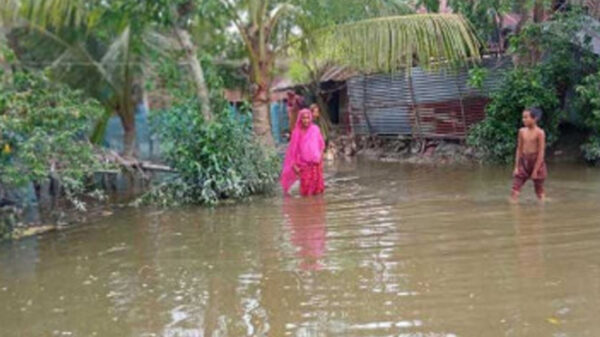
(403,150)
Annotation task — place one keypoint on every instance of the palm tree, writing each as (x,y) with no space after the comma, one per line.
(57,35)
(310,63)
(67,33)
(266,28)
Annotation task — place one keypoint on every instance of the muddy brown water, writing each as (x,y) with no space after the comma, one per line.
(390,250)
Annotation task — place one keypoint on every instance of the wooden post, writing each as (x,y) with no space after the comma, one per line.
(416,110)
(462,107)
(364,107)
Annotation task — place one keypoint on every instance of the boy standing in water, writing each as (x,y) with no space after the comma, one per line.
(529,159)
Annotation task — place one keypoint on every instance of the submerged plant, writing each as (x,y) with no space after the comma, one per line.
(43,135)
(214,160)
(589,105)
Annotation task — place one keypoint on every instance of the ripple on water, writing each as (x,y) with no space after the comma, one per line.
(390,250)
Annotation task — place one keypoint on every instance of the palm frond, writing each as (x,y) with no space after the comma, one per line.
(44,13)
(75,67)
(160,42)
(100,126)
(100,75)
(262,12)
(8,11)
(113,60)
(279,11)
(390,43)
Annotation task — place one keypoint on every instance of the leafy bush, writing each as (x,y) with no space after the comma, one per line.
(214,161)
(589,106)
(591,149)
(482,14)
(8,218)
(496,135)
(43,134)
(477,76)
(552,57)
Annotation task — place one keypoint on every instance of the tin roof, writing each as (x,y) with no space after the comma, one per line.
(337,74)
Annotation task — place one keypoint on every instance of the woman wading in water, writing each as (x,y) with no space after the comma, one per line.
(304,157)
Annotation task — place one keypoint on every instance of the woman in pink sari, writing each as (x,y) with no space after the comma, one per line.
(304,157)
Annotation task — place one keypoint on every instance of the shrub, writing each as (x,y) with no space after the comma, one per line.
(214,161)
(8,219)
(496,135)
(552,58)
(591,149)
(43,134)
(588,94)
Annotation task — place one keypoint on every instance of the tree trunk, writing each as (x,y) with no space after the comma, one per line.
(535,53)
(499,22)
(538,11)
(127,117)
(261,116)
(524,16)
(197,73)
(325,118)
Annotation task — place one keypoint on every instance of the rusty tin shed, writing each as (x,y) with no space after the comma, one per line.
(437,104)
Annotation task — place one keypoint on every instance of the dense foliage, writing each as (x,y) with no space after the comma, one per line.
(483,15)
(214,160)
(589,99)
(497,134)
(43,134)
(551,58)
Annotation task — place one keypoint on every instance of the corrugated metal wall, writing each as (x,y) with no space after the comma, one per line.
(433,105)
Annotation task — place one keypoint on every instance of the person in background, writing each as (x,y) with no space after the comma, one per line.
(316,112)
(294,105)
(304,157)
(529,157)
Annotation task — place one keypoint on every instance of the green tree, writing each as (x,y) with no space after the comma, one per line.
(269,27)
(496,135)
(589,105)
(43,130)
(104,47)
(308,65)
(432,6)
(487,16)
(210,166)
(57,35)
(554,57)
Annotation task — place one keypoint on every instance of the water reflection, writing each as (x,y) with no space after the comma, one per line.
(390,250)
(306,219)
(18,259)
(529,230)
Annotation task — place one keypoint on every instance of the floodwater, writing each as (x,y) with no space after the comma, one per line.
(390,250)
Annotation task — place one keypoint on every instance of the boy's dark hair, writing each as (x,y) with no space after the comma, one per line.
(535,112)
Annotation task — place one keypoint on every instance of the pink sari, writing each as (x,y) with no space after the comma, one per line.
(305,152)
